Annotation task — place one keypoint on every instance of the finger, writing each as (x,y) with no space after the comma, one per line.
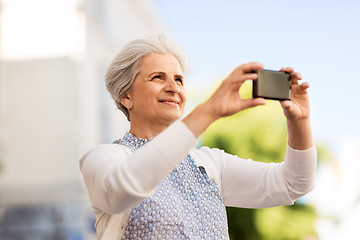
(286,104)
(304,85)
(247,71)
(238,76)
(251,67)
(234,82)
(295,77)
(249,76)
(253,102)
(287,69)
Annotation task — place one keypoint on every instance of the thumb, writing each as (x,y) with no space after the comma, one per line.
(286,104)
(252,102)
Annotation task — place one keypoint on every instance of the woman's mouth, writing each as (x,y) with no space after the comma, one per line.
(171,102)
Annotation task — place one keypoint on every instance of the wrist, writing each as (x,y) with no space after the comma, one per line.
(300,134)
(200,119)
(208,112)
(298,121)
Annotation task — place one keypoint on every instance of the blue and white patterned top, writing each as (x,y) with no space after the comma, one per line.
(185,205)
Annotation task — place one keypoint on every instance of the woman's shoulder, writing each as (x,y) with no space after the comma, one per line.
(107,147)
(104,150)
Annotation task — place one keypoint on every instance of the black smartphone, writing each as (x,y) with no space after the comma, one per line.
(273,85)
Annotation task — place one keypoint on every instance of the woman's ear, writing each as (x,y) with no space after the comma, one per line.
(126,102)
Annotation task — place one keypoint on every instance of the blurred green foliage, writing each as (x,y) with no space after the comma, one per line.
(260,134)
(286,222)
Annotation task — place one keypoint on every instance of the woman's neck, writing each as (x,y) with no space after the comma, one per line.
(147,129)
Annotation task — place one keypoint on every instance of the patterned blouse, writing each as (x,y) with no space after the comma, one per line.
(185,205)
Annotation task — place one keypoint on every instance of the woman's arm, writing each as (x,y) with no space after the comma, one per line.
(225,101)
(251,184)
(297,113)
(117,180)
(246,183)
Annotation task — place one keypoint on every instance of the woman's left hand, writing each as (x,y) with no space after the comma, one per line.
(299,107)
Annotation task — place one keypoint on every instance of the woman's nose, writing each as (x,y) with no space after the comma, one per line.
(172,86)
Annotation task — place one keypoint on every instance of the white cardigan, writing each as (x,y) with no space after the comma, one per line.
(118,180)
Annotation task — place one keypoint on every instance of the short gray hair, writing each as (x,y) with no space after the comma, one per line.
(124,68)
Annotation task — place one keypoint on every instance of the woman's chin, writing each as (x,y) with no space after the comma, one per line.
(172,117)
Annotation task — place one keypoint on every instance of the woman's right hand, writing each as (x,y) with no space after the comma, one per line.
(226,100)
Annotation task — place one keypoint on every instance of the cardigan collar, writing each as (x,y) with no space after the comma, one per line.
(131,141)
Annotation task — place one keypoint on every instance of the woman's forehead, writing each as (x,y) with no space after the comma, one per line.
(158,62)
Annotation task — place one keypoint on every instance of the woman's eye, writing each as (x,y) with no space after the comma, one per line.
(179,80)
(156,77)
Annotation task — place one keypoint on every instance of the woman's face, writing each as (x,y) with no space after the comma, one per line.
(158,94)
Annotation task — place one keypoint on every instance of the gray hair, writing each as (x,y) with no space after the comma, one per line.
(124,68)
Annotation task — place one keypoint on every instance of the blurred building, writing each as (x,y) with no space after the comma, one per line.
(54,106)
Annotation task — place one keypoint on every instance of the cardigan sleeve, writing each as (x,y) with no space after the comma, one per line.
(117,180)
(250,184)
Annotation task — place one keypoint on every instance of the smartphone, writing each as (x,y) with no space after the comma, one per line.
(273,85)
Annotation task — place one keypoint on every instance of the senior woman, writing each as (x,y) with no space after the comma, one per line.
(153,184)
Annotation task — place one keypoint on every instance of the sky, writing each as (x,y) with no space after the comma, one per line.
(319,39)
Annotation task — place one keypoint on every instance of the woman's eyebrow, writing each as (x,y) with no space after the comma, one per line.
(164,74)
(179,76)
(157,73)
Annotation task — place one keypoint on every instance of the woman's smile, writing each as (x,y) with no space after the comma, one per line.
(170,102)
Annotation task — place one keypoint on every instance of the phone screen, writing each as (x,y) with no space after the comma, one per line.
(274,85)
